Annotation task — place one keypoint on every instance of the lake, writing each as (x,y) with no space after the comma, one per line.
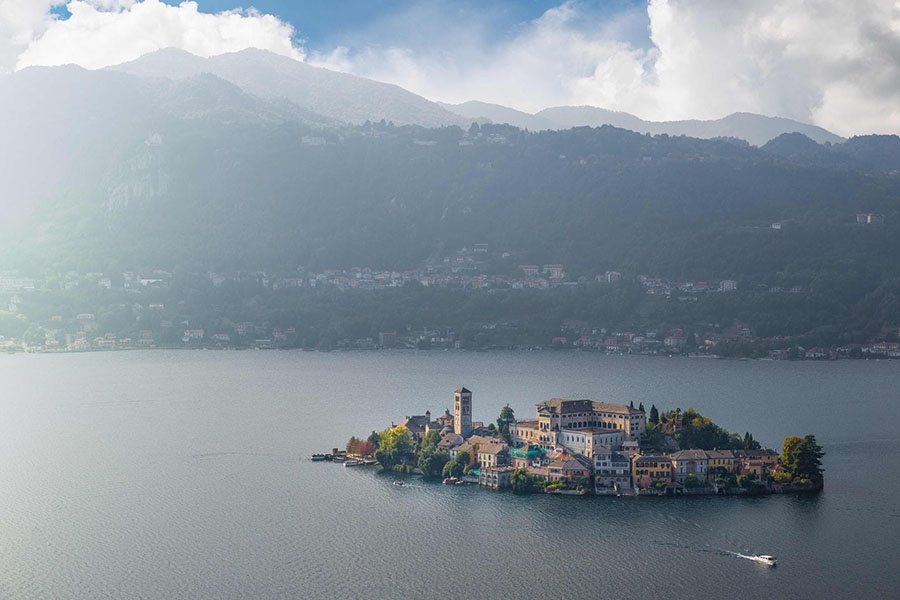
(178,474)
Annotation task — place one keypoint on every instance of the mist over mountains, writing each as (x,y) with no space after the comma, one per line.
(264,74)
(355,99)
(326,166)
(251,162)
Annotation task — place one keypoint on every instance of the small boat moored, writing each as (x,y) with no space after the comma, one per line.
(400,483)
(450,480)
(317,457)
(353,463)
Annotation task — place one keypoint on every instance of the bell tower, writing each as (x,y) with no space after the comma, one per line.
(462,412)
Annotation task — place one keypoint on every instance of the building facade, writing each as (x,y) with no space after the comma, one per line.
(559,413)
(647,470)
(689,462)
(495,478)
(585,440)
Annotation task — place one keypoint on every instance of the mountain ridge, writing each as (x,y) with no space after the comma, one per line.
(336,95)
(355,99)
(755,129)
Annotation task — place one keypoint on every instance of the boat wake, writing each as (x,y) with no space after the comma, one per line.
(764,559)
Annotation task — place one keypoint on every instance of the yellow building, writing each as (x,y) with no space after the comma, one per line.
(720,459)
(645,470)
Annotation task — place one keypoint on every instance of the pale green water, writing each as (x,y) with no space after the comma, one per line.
(177,475)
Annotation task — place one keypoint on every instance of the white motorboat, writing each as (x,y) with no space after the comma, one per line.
(764,559)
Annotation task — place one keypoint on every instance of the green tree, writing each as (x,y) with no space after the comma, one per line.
(453,469)
(375,439)
(431,461)
(749,442)
(641,407)
(507,416)
(394,448)
(654,414)
(789,452)
(691,481)
(430,441)
(808,459)
(521,480)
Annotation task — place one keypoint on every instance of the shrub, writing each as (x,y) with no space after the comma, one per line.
(782,478)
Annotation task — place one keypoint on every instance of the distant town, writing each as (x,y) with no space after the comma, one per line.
(580,447)
(77,311)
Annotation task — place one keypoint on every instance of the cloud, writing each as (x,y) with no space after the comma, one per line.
(831,62)
(544,63)
(20,22)
(99,33)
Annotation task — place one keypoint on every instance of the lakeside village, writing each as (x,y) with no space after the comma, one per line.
(76,312)
(580,447)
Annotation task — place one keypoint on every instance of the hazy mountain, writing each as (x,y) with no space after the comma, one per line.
(756,129)
(495,113)
(799,148)
(870,153)
(565,117)
(194,173)
(268,75)
(64,126)
(355,99)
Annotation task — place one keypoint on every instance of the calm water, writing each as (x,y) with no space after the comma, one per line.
(176,475)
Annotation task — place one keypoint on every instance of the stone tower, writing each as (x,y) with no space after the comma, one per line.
(462,411)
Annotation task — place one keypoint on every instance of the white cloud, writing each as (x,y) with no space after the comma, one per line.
(547,62)
(831,62)
(21,21)
(106,32)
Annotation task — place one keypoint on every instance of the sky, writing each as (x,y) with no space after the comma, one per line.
(835,63)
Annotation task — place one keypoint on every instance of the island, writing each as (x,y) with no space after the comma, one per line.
(580,447)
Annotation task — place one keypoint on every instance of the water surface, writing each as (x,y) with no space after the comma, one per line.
(177,474)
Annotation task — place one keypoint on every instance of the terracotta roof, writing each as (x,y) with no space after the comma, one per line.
(450,440)
(493,449)
(563,406)
(689,455)
(569,463)
(415,424)
(755,453)
(720,454)
(616,408)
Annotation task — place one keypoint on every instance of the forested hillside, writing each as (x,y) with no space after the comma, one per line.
(200,177)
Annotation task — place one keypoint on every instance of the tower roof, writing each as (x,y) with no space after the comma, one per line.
(462,390)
